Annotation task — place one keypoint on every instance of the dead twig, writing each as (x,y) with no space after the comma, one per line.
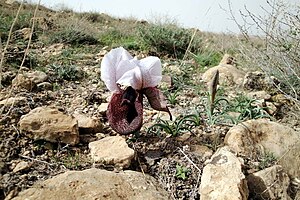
(26,51)
(3,52)
(36,160)
(186,156)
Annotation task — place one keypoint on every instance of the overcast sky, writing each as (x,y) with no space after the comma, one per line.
(206,15)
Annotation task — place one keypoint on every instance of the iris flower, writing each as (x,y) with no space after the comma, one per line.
(129,79)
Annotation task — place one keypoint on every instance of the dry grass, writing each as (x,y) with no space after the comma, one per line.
(277,53)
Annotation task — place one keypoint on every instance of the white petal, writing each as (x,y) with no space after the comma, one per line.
(123,67)
(109,66)
(151,71)
(132,78)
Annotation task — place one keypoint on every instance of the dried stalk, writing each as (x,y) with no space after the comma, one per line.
(3,52)
(25,53)
(31,33)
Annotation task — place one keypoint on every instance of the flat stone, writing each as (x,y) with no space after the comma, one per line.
(50,124)
(269,183)
(228,75)
(92,184)
(222,177)
(260,136)
(103,107)
(202,151)
(259,95)
(112,150)
(29,80)
(22,81)
(23,165)
(37,76)
(16,101)
(88,125)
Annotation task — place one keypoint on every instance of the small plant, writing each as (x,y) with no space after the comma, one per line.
(216,106)
(192,120)
(66,72)
(267,160)
(72,161)
(217,112)
(56,86)
(172,97)
(181,172)
(245,106)
(173,128)
(208,58)
(6,19)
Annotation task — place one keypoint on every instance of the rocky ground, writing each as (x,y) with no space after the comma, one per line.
(48,129)
(55,142)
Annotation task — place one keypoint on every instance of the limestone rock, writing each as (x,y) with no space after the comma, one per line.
(16,101)
(94,184)
(259,95)
(37,76)
(260,136)
(112,150)
(166,82)
(271,108)
(297,197)
(103,107)
(227,59)
(257,81)
(23,165)
(88,125)
(50,124)
(22,81)
(290,161)
(202,151)
(222,178)
(229,75)
(53,50)
(24,33)
(10,2)
(28,80)
(270,183)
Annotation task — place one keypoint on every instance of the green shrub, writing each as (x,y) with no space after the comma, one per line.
(66,72)
(115,38)
(23,21)
(208,58)
(74,31)
(167,39)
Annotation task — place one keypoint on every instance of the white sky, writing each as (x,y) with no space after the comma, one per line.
(206,15)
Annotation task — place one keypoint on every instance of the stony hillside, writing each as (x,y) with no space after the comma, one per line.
(235,131)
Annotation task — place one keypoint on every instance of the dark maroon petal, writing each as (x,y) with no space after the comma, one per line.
(156,99)
(125,116)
